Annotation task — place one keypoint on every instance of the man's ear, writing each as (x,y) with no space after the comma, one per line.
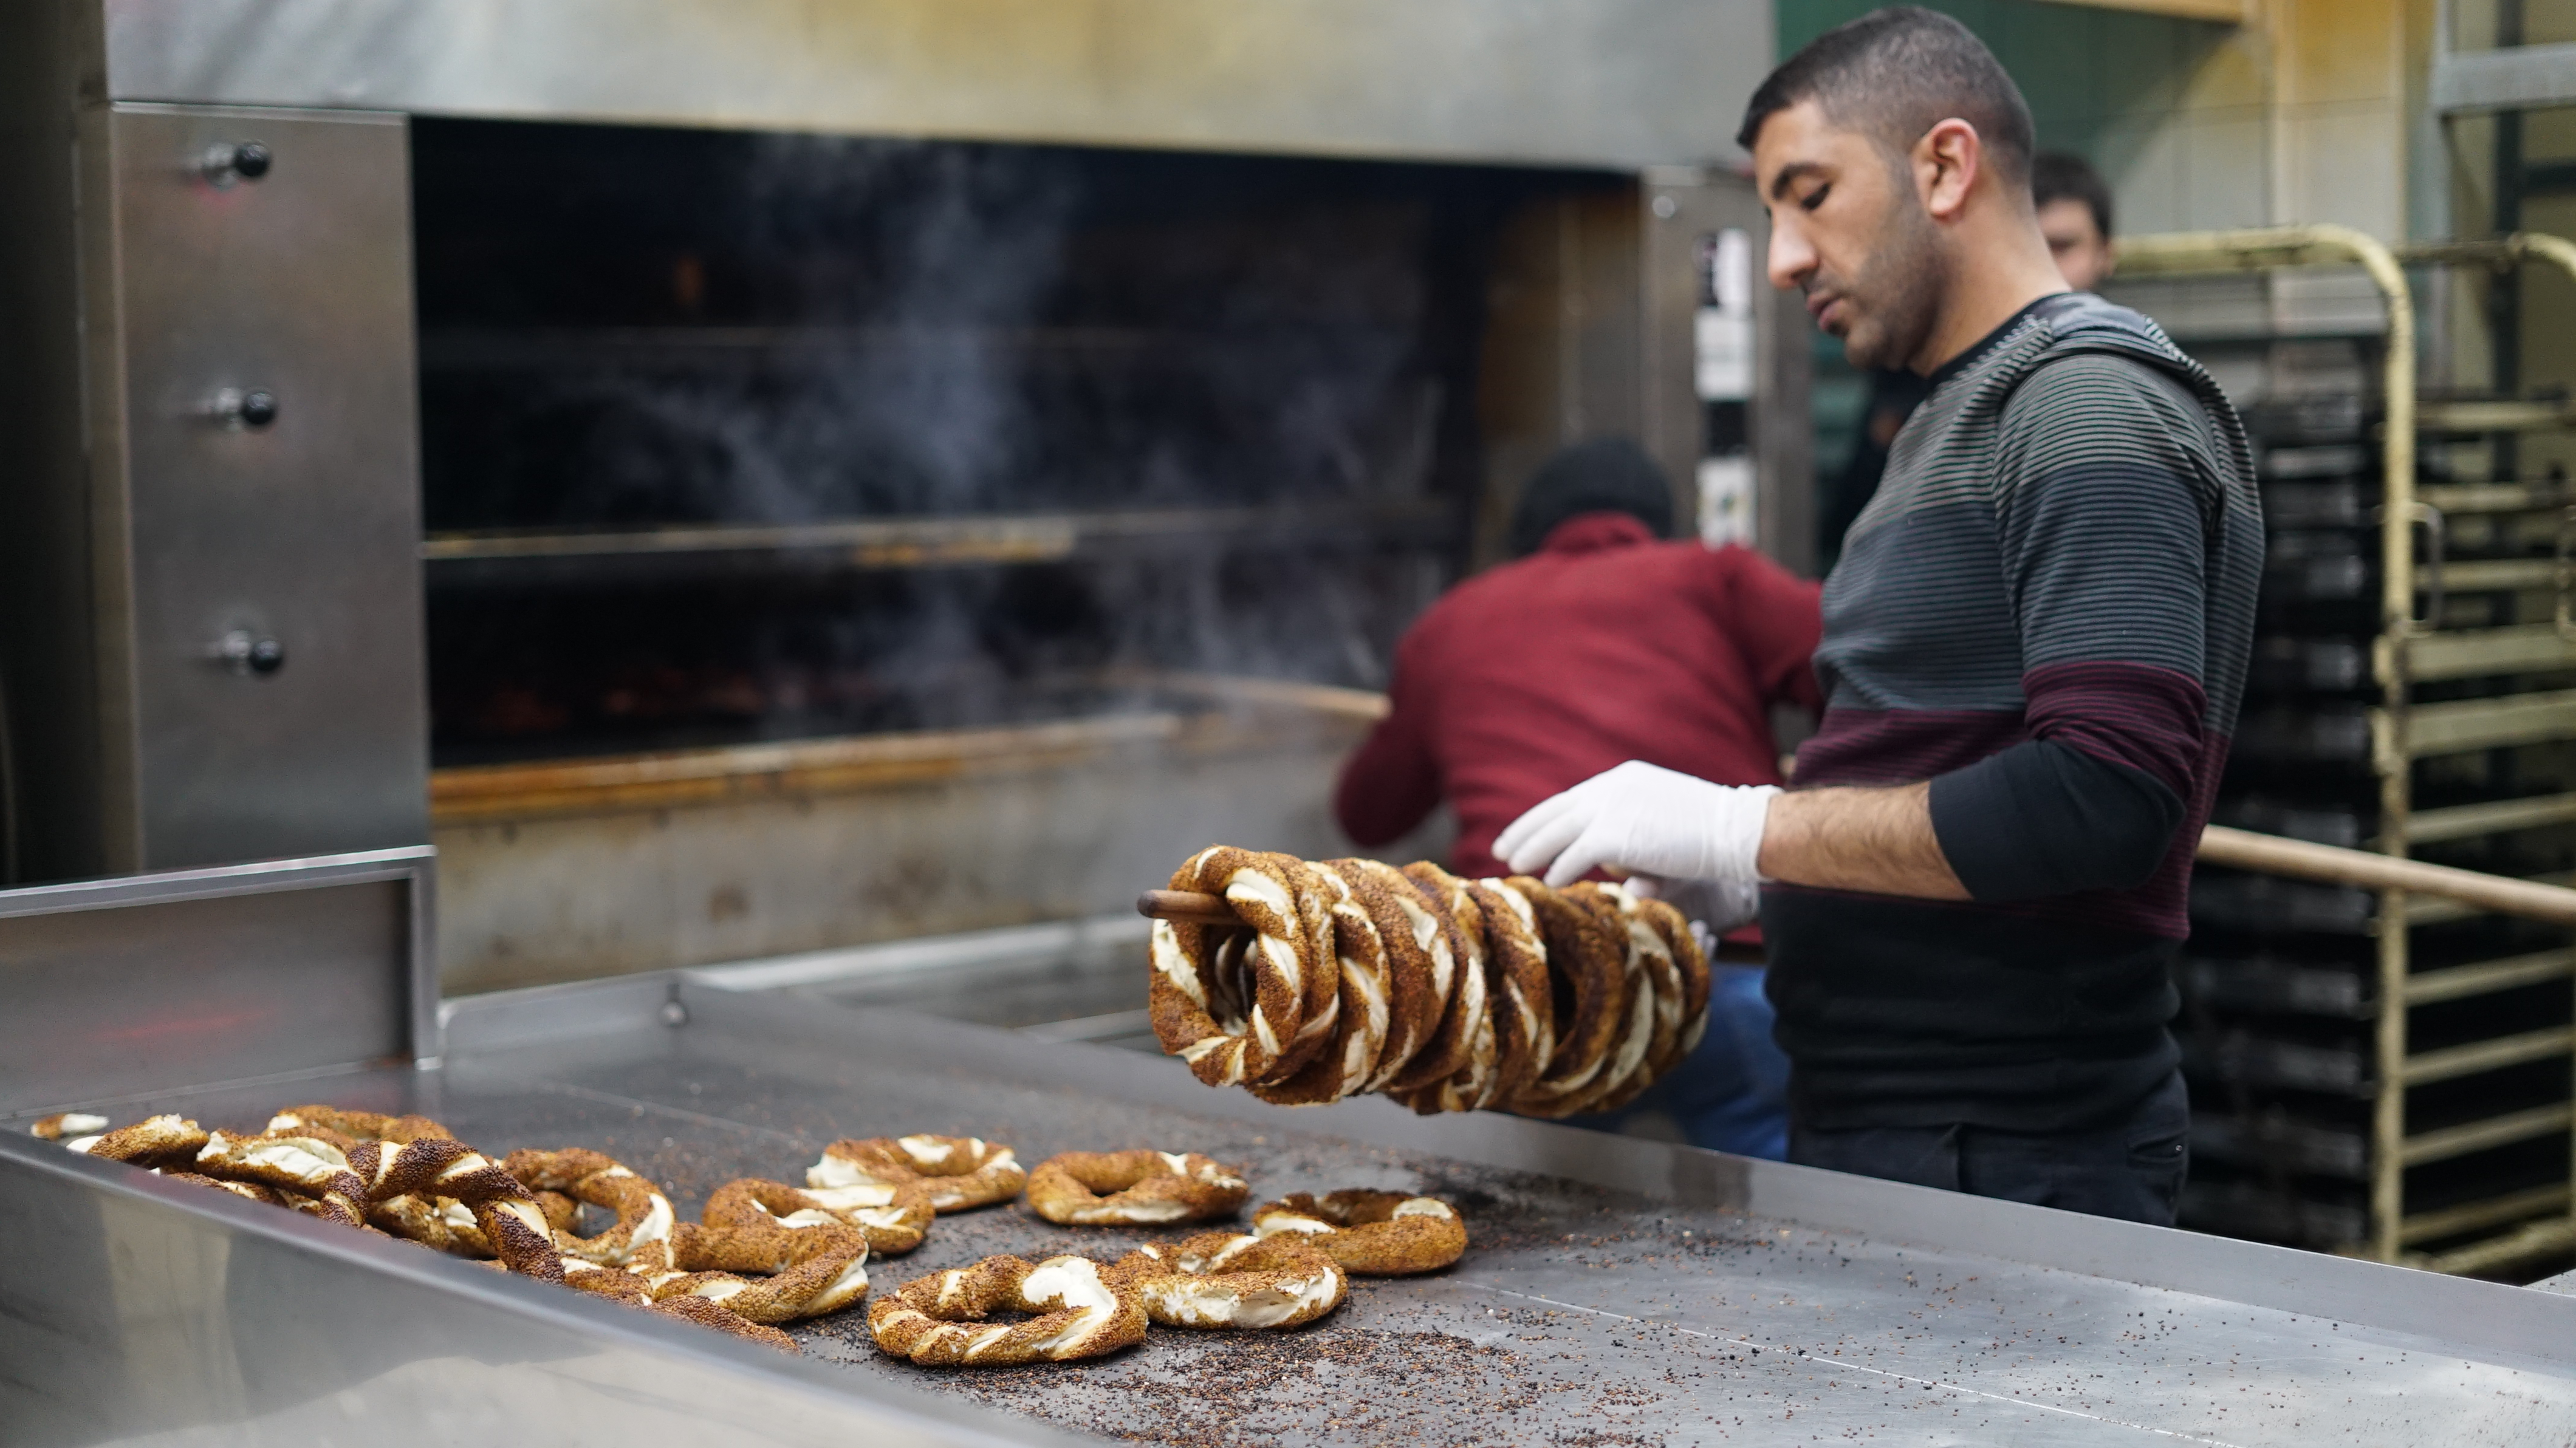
(1947,161)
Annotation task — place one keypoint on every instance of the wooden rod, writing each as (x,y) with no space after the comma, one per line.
(2272,855)
(1196,908)
(2219,845)
(1188,906)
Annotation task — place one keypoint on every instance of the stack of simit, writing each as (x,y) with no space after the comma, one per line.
(1351,976)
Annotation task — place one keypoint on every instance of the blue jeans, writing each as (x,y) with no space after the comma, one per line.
(1732,1092)
(2131,1168)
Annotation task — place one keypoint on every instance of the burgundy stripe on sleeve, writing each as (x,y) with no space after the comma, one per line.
(1901,746)
(2138,715)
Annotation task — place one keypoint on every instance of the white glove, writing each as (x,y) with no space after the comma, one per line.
(1648,821)
(1713,907)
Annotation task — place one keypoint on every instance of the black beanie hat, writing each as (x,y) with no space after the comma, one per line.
(1602,475)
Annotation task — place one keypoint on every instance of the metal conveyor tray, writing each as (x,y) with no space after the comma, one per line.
(1617,1291)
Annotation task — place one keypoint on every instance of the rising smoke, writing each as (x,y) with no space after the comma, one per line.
(870,329)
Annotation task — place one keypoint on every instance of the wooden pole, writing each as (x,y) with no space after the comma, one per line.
(2219,845)
(2362,869)
(1192,907)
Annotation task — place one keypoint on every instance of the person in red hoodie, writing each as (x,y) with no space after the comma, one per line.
(1602,642)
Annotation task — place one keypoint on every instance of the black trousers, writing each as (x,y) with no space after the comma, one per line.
(2131,1168)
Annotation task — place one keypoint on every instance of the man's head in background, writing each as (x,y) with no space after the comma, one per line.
(2074,206)
(1892,151)
(1604,475)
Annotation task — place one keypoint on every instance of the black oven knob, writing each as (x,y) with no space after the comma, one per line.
(247,653)
(236,409)
(226,162)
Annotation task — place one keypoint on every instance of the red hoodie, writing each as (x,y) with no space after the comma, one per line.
(1604,646)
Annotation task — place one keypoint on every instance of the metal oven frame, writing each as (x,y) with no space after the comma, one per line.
(213,640)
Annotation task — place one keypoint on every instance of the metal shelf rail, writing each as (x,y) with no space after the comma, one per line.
(2411,649)
(518,557)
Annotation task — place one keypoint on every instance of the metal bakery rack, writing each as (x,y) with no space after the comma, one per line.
(2374,1072)
(1617,1290)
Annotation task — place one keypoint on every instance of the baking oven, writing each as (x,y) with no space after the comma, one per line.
(766,478)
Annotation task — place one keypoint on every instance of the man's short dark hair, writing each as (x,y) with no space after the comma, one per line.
(2057,176)
(1895,74)
(1604,475)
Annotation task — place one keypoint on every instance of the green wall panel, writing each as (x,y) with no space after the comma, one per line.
(2090,75)
(2097,81)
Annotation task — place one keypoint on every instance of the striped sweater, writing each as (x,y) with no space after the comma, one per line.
(2046,612)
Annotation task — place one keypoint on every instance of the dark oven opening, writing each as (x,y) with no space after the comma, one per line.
(736,436)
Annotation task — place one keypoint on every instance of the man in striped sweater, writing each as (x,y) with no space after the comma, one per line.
(2033,650)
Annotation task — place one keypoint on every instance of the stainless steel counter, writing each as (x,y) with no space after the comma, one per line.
(1618,1291)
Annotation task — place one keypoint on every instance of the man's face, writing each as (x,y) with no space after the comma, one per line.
(2082,252)
(1849,230)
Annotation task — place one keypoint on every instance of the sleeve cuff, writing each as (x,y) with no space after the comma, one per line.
(2040,819)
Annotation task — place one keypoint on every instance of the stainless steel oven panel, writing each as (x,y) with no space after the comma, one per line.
(1606,82)
(151,982)
(259,552)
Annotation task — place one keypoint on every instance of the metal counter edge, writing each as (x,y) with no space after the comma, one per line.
(764,1392)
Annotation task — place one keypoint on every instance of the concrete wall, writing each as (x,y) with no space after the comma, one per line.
(2339,146)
